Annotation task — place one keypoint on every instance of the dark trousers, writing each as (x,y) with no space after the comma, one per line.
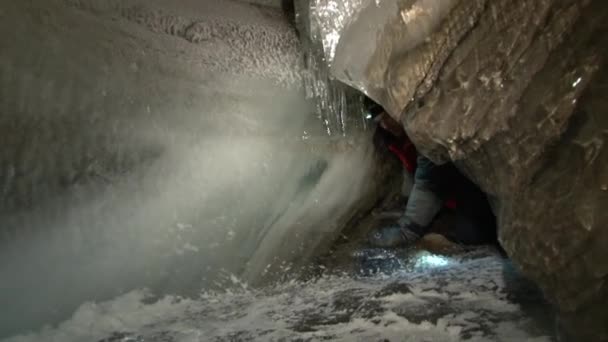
(471,222)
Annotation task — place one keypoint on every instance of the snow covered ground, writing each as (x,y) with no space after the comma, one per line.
(473,297)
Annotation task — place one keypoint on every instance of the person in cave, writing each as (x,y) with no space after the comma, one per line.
(441,200)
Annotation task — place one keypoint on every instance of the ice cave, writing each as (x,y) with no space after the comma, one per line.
(208,170)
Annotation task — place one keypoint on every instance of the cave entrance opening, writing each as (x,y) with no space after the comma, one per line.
(432,200)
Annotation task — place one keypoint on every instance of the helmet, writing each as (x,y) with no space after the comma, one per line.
(372,108)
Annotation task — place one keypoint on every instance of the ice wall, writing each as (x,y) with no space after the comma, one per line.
(160,144)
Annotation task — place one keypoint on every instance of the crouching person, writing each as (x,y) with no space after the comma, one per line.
(439,193)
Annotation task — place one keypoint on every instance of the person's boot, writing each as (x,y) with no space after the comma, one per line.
(393,236)
(439,244)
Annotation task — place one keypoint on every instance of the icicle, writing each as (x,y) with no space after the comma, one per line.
(338,106)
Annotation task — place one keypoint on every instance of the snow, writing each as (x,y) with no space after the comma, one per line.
(410,304)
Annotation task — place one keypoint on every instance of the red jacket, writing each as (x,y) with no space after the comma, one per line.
(407,154)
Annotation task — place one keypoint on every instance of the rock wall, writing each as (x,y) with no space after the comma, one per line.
(512,92)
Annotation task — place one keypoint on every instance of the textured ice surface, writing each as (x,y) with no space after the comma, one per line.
(153,143)
(230,37)
(352,33)
(327,20)
(431,298)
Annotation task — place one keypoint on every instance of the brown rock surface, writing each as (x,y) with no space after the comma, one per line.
(513,92)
